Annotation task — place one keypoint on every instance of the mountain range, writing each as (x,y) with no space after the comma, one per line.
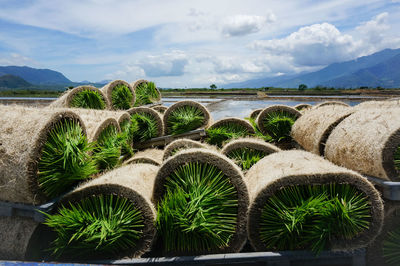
(380,69)
(35,76)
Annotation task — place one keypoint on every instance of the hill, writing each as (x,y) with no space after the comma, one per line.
(371,71)
(12,82)
(35,76)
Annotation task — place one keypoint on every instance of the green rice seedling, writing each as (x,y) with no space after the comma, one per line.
(396,159)
(391,247)
(257,131)
(65,159)
(246,157)
(219,135)
(121,97)
(309,216)
(88,99)
(125,139)
(279,124)
(146,93)
(143,127)
(198,212)
(184,119)
(101,225)
(108,148)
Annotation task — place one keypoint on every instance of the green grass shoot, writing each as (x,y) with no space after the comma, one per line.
(258,132)
(65,159)
(198,212)
(184,119)
(396,159)
(143,127)
(279,124)
(309,216)
(121,97)
(246,157)
(107,150)
(146,93)
(97,226)
(219,135)
(391,247)
(88,99)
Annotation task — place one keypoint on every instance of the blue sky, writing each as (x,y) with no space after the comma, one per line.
(183,43)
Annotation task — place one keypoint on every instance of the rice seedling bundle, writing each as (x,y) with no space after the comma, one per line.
(109,217)
(313,128)
(146,124)
(368,142)
(255,113)
(276,121)
(43,153)
(245,152)
(302,107)
(228,128)
(86,96)
(298,200)
(330,103)
(150,156)
(185,116)
(201,202)
(181,144)
(146,92)
(120,94)
(15,234)
(160,108)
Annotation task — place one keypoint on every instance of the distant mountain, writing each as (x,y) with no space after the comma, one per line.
(374,70)
(35,76)
(12,82)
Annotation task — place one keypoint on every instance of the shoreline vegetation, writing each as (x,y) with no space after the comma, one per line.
(263,92)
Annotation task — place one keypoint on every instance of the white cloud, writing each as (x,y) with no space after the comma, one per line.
(240,25)
(14,59)
(318,44)
(374,30)
(168,64)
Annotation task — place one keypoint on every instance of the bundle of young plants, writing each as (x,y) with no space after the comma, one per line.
(385,249)
(179,145)
(87,96)
(202,202)
(146,92)
(226,129)
(185,116)
(150,156)
(245,152)
(120,94)
(146,124)
(110,217)
(276,121)
(313,128)
(368,141)
(330,103)
(108,141)
(44,153)
(299,201)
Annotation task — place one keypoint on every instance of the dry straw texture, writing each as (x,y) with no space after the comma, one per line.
(134,182)
(274,108)
(234,120)
(303,107)
(181,144)
(153,113)
(23,133)
(378,104)
(330,103)
(180,104)
(15,234)
(366,142)
(140,81)
(312,129)
(229,169)
(108,88)
(65,99)
(252,143)
(293,168)
(150,156)
(160,108)
(96,121)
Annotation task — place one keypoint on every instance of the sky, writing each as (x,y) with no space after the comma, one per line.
(185,43)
